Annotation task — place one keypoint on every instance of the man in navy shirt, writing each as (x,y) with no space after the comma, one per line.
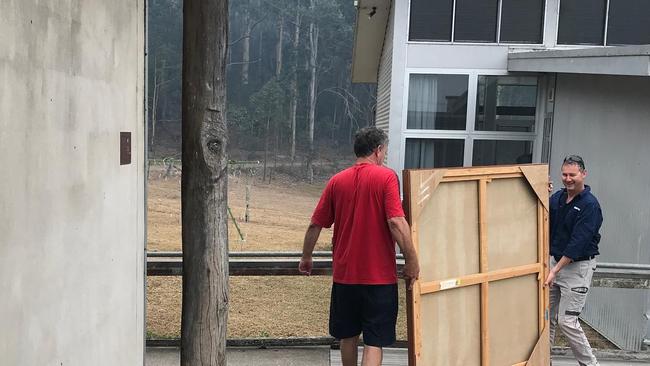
(576,218)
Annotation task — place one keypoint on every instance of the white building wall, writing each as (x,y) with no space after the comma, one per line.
(71,218)
(606,120)
(397,89)
(457,56)
(382,113)
(447,57)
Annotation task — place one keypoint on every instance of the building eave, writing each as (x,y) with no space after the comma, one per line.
(370,28)
(620,60)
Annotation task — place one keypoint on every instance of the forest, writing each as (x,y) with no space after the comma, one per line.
(289,94)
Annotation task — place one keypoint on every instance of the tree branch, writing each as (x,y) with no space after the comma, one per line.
(247,35)
(243,62)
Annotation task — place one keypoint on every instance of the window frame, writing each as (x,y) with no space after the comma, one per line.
(498,30)
(585,45)
(605,31)
(469,135)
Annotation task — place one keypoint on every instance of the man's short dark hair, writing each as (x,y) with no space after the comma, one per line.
(367,139)
(575,160)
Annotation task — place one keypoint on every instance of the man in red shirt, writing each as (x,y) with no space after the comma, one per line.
(363,203)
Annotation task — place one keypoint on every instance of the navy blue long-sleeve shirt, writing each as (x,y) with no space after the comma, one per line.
(575,225)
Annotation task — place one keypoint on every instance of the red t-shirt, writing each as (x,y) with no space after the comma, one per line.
(359,201)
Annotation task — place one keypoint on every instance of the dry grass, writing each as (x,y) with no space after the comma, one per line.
(259,306)
(279,214)
(274,307)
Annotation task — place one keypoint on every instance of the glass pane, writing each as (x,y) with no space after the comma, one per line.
(506,103)
(430,20)
(521,21)
(581,22)
(499,152)
(437,102)
(476,20)
(629,22)
(433,153)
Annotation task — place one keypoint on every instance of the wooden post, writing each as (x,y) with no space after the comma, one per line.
(275,154)
(204,183)
(248,201)
(266,148)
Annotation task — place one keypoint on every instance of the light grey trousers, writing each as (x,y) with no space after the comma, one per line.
(567,298)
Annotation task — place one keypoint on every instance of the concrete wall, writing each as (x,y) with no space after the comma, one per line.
(606,120)
(71,218)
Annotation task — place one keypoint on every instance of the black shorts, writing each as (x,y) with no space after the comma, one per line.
(367,309)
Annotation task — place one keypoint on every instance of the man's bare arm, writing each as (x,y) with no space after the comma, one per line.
(401,232)
(311,237)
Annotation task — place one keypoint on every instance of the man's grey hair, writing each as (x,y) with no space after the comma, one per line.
(575,160)
(367,139)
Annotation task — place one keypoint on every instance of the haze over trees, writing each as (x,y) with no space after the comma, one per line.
(288,73)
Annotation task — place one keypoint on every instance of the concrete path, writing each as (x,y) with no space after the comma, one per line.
(314,356)
(286,356)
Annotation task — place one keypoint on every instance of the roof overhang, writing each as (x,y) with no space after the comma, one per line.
(620,60)
(372,18)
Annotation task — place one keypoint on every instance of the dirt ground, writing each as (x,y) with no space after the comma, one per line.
(273,307)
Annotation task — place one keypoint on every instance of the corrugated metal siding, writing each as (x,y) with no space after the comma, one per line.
(620,314)
(605,119)
(384,77)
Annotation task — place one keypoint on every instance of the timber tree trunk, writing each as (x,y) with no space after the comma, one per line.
(154,105)
(204,184)
(278,59)
(313,54)
(246,47)
(294,86)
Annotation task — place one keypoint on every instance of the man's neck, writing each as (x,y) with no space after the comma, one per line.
(366,159)
(573,193)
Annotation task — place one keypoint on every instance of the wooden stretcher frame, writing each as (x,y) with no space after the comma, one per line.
(418,188)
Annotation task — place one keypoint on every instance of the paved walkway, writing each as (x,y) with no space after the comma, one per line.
(289,356)
(313,356)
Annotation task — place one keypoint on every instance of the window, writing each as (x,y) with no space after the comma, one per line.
(522,21)
(581,22)
(476,20)
(629,22)
(433,153)
(437,102)
(500,129)
(499,152)
(431,20)
(506,103)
